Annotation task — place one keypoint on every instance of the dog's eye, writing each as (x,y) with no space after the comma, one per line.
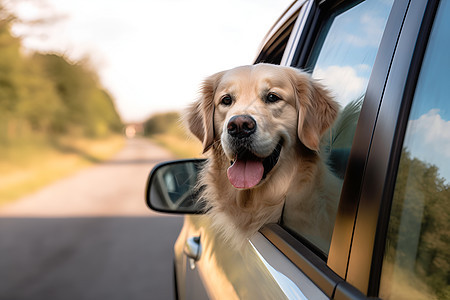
(226,100)
(272,97)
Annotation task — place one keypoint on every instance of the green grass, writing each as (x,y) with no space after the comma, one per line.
(29,164)
(173,136)
(179,146)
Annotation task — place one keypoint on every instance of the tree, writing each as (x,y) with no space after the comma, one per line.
(161,123)
(48,93)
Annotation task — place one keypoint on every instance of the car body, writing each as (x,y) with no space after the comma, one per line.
(391,234)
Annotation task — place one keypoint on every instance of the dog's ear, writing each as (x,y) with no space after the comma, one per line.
(316,110)
(200,114)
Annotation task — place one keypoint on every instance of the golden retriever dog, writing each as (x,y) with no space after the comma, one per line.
(261,127)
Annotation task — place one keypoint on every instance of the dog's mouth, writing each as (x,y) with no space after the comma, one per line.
(248,170)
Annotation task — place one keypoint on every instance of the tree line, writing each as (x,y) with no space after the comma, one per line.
(419,227)
(47,94)
(161,123)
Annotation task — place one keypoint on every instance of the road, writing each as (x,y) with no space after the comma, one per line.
(90,236)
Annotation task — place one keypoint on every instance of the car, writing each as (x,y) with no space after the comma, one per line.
(391,233)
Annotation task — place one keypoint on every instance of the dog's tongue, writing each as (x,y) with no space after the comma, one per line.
(245,174)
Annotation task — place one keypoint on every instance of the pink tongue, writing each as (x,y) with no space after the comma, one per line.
(245,174)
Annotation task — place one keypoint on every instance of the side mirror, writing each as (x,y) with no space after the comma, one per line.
(171,187)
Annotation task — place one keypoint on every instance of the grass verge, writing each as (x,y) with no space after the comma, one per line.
(27,165)
(167,130)
(180,146)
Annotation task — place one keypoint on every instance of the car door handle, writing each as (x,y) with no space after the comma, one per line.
(193,248)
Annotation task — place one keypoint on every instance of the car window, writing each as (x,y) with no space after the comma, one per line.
(416,262)
(341,59)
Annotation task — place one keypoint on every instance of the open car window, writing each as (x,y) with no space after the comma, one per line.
(274,49)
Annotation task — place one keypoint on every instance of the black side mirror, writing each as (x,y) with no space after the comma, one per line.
(172,187)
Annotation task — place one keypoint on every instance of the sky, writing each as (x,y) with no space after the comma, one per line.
(151,55)
(428,133)
(348,53)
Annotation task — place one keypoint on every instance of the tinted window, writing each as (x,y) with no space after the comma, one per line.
(341,59)
(417,259)
(344,59)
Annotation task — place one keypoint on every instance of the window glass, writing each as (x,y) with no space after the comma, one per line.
(346,57)
(416,263)
(342,60)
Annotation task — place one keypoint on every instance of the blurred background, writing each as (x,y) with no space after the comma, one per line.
(75,74)
(91,94)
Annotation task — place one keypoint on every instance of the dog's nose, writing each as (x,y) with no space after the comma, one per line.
(241,126)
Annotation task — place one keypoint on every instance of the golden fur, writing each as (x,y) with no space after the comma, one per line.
(299,181)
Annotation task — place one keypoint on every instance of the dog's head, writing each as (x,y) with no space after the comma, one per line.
(256,112)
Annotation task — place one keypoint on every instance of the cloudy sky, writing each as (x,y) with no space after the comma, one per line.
(151,54)
(428,134)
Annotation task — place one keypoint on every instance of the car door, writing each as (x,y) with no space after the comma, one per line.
(349,46)
(400,243)
(369,54)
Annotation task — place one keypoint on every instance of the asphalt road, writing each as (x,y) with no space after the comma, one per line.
(90,236)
